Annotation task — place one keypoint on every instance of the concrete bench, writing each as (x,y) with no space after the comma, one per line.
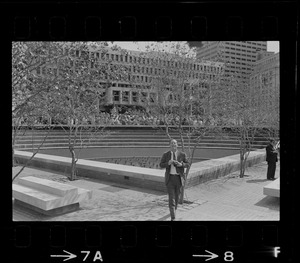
(273,188)
(48,197)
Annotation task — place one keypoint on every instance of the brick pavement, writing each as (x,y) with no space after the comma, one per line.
(225,198)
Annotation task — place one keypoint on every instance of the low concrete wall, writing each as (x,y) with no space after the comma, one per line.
(203,171)
(138,176)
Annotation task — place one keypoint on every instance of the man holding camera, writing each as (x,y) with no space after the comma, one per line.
(272,158)
(175,162)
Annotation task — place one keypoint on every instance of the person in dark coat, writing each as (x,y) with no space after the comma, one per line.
(271,159)
(175,162)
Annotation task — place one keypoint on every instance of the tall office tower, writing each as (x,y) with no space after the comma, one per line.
(239,56)
(264,82)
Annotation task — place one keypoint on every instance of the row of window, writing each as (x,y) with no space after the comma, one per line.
(243,51)
(149,61)
(133,97)
(271,61)
(155,70)
(136,78)
(124,85)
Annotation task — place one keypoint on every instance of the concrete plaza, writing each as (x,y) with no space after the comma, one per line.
(226,198)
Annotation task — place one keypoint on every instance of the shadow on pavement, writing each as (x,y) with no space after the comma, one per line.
(257,181)
(270,202)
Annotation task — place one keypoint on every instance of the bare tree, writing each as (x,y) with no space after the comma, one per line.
(66,76)
(29,92)
(80,95)
(243,118)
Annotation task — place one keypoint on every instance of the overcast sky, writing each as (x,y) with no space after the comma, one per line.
(271,45)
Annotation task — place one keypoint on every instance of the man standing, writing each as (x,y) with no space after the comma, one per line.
(174,161)
(271,159)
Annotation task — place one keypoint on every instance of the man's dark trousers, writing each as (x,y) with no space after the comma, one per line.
(174,190)
(271,170)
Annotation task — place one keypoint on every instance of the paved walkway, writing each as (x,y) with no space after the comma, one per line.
(226,198)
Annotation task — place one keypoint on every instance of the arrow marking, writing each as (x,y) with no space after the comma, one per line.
(70,256)
(211,256)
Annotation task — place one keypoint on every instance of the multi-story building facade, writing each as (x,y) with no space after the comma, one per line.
(239,56)
(141,71)
(265,82)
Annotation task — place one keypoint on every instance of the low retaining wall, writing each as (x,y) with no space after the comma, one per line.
(207,170)
(138,176)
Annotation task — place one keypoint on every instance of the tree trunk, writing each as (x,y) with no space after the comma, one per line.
(13,156)
(181,197)
(73,164)
(242,169)
(29,160)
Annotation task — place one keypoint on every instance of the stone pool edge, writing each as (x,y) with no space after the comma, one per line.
(139,176)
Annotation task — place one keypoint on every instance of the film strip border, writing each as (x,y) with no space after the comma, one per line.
(136,242)
(159,21)
(126,242)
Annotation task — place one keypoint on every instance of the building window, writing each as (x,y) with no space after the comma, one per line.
(85,54)
(144,96)
(125,96)
(116,95)
(43,70)
(134,96)
(152,97)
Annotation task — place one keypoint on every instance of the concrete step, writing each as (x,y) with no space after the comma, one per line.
(33,197)
(125,138)
(127,132)
(46,194)
(273,188)
(51,187)
(129,140)
(133,144)
(132,137)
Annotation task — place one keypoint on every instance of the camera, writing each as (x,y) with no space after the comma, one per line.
(176,164)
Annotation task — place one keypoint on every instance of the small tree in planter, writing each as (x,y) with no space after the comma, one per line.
(79,95)
(244,119)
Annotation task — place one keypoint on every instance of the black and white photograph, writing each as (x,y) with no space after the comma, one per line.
(145,131)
